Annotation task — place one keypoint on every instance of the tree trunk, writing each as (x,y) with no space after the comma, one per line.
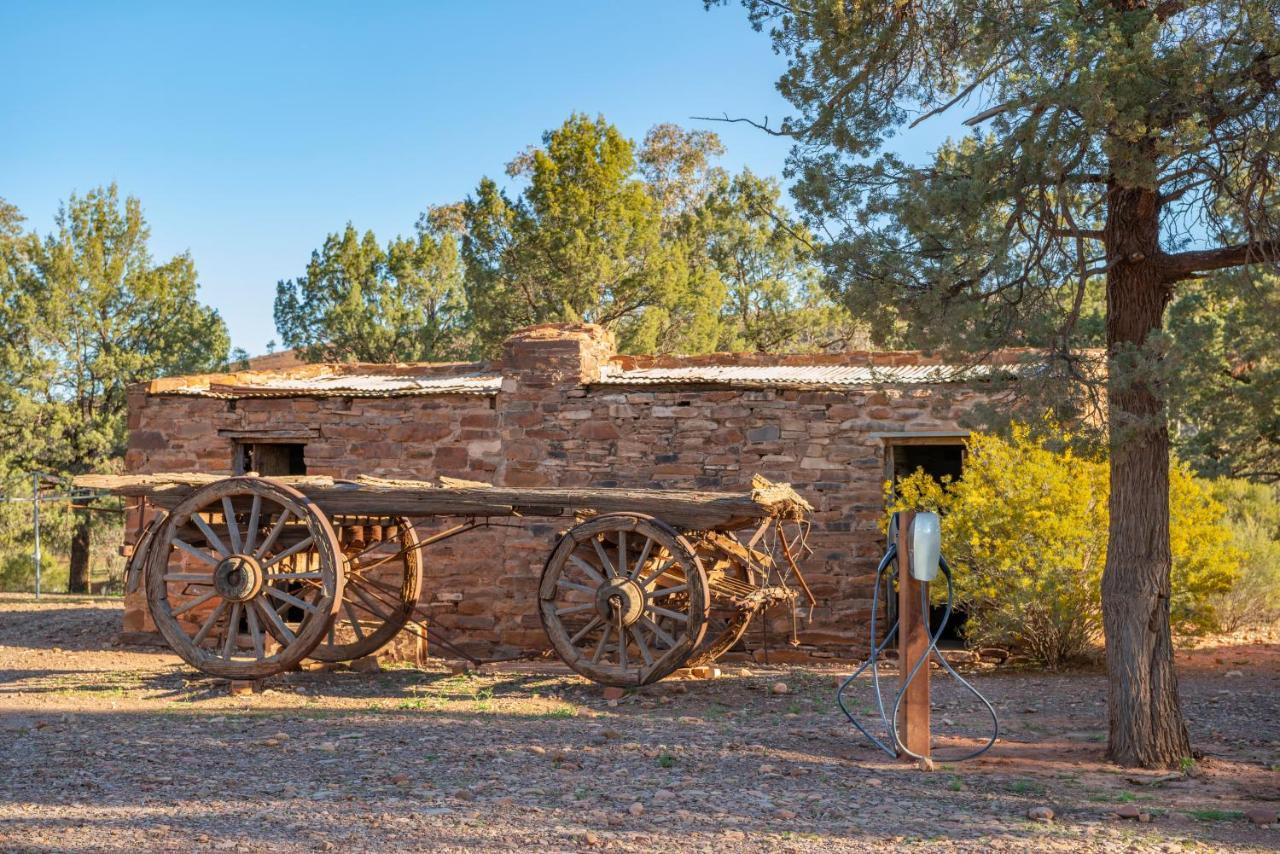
(78,578)
(1147,728)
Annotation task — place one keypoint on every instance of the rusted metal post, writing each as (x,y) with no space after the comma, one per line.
(913,641)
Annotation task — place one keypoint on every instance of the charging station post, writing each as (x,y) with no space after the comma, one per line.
(913,643)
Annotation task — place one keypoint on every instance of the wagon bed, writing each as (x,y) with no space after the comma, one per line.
(246,576)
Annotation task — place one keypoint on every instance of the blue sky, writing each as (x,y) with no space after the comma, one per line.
(250,131)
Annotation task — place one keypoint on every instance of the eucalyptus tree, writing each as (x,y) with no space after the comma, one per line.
(1134,141)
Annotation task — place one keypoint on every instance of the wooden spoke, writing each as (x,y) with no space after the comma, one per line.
(209,535)
(674,615)
(370,602)
(233,630)
(300,546)
(195,552)
(291,599)
(658,632)
(582,633)
(622,552)
(293,576)
(208,623)
(193,603)
(233,527)
(273,619)
(200,578)
(251,532)
(604,639)
(587,568)
(640,561)
(575,609)
(665,591)
(572,585)
(255,632)
(658,573)
(353,618)
(644,647)
(609,571)
(274,533)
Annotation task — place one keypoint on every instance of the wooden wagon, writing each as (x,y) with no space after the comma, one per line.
(246,576)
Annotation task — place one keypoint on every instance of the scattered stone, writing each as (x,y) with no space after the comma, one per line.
(368,664)
(705,671)
(785,814)
(614,693)
(1234,674)
(240,687)
(1041,813)
(636,809)
(328,746)
(1128,811)
(780,688)
(1261,816)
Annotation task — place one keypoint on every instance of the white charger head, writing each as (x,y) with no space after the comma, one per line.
(926,546)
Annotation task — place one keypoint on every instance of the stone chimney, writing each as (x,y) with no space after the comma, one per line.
(555,354)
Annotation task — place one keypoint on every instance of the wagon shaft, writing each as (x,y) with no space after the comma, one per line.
(689,510)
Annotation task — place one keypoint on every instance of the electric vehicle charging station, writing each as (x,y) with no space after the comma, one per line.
(914,542)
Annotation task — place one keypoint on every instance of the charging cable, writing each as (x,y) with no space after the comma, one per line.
(886,576)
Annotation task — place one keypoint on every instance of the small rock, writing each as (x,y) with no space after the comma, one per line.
(1127,811)
(464,795)
(636,809)
(368,664)
(1233,674)
(785,814)
(590,838)
(240,687)
(1260,816)
(328,746)
(537,749)
(1040,814)
(780,688)
(614,693)
(400,779)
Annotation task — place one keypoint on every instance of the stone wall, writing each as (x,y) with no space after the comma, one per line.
(555,422)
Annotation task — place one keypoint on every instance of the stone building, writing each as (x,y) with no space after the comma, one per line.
(562,408)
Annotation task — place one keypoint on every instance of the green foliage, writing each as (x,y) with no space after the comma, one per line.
(362,302)
(1224,397)
(1253,518)
(582,241)
(86,312)
(1025,530)
(651,240)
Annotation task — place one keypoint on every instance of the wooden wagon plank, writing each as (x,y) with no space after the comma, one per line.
(695,510)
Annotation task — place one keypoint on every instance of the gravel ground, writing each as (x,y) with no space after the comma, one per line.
(109,748)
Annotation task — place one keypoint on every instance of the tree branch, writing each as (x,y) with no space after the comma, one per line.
(1183,265)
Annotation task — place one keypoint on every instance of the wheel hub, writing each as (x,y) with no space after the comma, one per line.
(238,578)
(620,595)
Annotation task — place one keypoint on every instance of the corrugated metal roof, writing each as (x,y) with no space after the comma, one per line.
(812,376)
(348,385)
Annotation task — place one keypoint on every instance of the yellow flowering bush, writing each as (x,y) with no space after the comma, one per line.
(1025,531)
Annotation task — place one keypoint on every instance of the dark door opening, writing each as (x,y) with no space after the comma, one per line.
(271,459)
(938,460)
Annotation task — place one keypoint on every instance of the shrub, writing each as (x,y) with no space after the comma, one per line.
(1253,519)
(1025,530)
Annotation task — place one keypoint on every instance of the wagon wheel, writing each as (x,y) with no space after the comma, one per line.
(623,599)
(730,578)
(222,564)
(382,581)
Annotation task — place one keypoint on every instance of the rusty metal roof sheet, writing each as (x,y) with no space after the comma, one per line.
(801,376)
(344,384)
